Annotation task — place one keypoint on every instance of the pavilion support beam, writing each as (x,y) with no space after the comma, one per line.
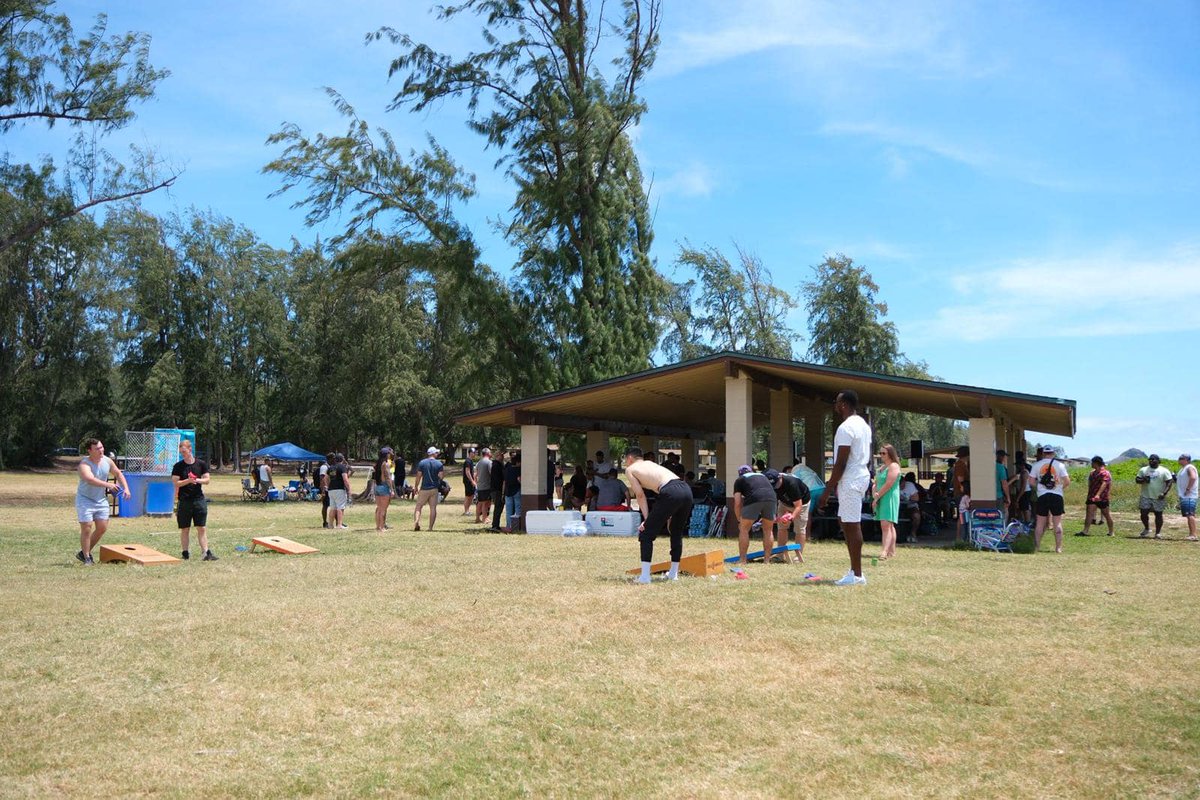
(597,441)
(782,450)
(739,433)
(688,455)
(722,460)
(814,438)
(981,438)
(534,469)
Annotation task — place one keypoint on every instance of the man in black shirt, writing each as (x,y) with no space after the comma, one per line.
(190,475)
(754,499)
(793,496)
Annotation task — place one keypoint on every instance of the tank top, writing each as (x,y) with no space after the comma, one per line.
(87,491)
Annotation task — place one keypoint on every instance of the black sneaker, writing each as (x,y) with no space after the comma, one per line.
(82,558)
(88,562)
(185,555)
(208,556)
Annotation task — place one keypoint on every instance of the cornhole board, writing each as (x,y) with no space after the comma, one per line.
(701,565)
(549,522)
(282,545)
(613,523)
(783,548)
(136,553)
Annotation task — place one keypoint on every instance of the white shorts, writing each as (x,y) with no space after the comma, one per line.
(91,510)
(850,499)
(964,505)
(338,499)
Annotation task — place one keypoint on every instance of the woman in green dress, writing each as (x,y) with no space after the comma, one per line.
(887,499)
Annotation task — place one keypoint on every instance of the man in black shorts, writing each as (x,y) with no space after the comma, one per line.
(754,500)
(190,475)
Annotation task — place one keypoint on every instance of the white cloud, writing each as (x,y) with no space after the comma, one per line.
(693,180)
(1100,294)
(722,31)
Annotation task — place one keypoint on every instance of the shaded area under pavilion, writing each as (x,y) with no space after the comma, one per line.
(722,398)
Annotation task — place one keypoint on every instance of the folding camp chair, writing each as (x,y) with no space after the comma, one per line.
(986,530)
(250,492)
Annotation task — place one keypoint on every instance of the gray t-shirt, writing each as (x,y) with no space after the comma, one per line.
(609,492)
(483,475)
(88,492)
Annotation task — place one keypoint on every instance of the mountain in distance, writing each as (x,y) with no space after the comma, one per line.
(1129,455)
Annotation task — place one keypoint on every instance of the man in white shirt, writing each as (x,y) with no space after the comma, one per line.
(1187,483)
(1155,481)
(850,479)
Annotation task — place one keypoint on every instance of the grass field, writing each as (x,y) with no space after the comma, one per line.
(449,664)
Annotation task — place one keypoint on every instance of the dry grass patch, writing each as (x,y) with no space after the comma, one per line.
(444,663)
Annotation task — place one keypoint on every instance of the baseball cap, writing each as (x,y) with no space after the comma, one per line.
(433,451)
(772,475)
(744,468)
(1046,448)
(387,451)
(1001,452)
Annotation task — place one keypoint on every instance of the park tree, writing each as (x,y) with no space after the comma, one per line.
(55,352)
(560,119)
(737,307)
(49,77)
(846,322)
(469,339)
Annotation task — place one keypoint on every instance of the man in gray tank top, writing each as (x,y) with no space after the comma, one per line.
(91,497)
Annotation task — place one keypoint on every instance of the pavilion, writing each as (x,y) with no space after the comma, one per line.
(722,398)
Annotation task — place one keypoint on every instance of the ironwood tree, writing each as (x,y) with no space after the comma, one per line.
(556,95)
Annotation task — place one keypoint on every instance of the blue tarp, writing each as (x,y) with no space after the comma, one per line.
(286,451)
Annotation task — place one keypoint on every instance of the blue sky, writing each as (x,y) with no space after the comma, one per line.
(1021,178)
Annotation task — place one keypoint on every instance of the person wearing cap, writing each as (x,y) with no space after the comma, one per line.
(1155,481)
(1187,484)
(1002,479)
(754,499)
(850,480)
(1098,491)
(793,496)
(429,474)
(470,481)
(385,487)
(1049,478)
(671,513)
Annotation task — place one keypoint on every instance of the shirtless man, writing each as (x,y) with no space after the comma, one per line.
(91,497)
(672,509)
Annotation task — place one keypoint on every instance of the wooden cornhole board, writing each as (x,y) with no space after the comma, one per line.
(137,553)
(701,565)
(282,545)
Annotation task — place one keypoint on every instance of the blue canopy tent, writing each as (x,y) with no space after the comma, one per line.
(286,451)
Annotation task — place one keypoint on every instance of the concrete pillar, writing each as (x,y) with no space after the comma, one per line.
(781,450)
(534,469)
(739,436)
(598,440)
(688,455)
(814,438)
(981,438)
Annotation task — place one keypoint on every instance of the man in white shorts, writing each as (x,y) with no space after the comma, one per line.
(91,497)
(850,480)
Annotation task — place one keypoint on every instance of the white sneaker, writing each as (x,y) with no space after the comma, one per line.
(850,579)
(1145,533)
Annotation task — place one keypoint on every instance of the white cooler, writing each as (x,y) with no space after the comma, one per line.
(549,522)
(613,523)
